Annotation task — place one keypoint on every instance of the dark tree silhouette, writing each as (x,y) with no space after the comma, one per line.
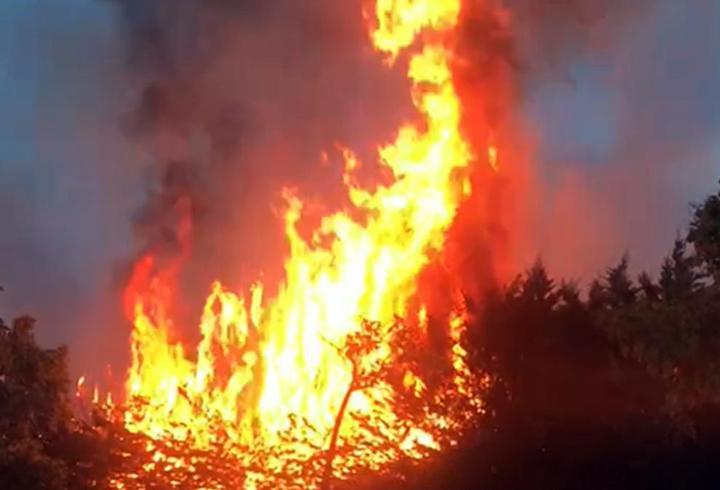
(33,409)
(705,234)
(679,275)
(575,382)
(650,291)
(619,287)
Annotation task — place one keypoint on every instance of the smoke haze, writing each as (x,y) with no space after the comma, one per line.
(606,120)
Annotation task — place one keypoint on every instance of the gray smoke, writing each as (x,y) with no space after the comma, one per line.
(627,138)
(612,105)
(235,100)
(115,109)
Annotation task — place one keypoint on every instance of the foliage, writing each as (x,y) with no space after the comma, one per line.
(33,410)
(548,362)
(673,329)
(40,446)
(673,332)
(544,358)
(379,357)
(704,234)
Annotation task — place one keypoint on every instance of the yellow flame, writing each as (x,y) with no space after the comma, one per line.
(399,22)
(493,155)
(261,361)
(79,386)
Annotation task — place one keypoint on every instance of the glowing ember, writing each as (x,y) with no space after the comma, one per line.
(80,386)
(493,157)
(263,364)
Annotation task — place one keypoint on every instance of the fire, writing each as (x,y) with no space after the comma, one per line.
(400,22)
(80,386)
(265,361)
(493,156)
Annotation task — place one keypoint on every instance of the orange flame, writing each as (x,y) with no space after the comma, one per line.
(79,386)
(262,361)
(493,155)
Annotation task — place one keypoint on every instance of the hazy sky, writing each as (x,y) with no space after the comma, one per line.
(66,189)
(645,112)
(632,135)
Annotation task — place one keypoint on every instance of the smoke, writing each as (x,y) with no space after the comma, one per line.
(603,113)
(236,100)
(125,109)
(65,191)
(628,154)
(606,127)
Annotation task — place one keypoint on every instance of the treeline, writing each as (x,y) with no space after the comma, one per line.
(630,345)
(616,385)
(612,386)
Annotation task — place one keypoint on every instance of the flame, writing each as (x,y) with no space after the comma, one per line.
(79,386)
(493,155)
(262,361)
(399,22)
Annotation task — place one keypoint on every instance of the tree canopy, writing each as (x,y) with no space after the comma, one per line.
(629,359)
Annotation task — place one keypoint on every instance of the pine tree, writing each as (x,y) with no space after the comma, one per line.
(679,277)
(620,288)
(704,235)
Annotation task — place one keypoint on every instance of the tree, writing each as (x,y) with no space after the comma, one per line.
(671,332)
(361,351)
(33,409)
(679,277)
(597,296)
(650,290)
(538,288)
(621,291)
(704,235)
(569,296)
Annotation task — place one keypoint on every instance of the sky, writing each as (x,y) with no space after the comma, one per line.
(628,137)
(639,112)
(66,190)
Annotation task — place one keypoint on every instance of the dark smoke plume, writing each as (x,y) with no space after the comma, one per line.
(237,99)
(245,95)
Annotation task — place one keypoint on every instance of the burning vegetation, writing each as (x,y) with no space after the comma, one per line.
(326,378)
(382,349)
